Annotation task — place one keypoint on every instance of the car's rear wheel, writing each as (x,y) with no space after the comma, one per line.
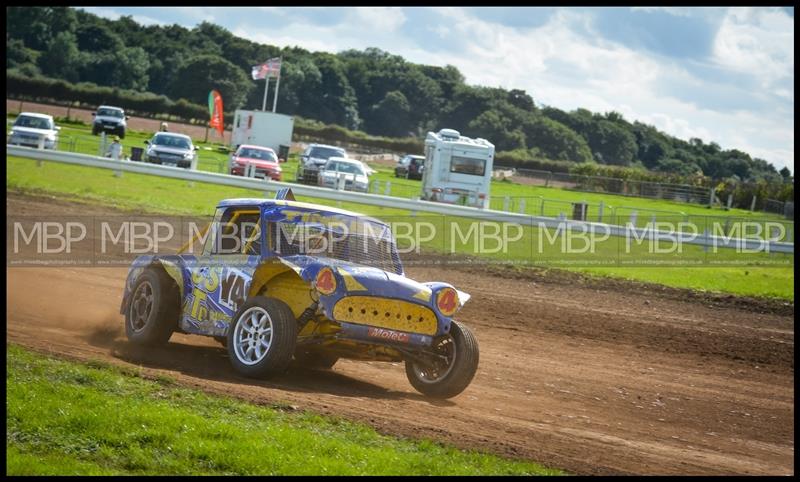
(262,337)
(153,309)
(454,368)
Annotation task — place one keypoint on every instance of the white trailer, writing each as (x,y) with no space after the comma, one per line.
(458,170)
(260,128)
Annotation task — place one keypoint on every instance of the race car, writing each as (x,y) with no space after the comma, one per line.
(278,280)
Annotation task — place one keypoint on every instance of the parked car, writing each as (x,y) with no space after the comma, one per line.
(110,119)
(263,159)
(276,296)
(410,167)
(351,171)
(313,158)
(32,129)
(171,149)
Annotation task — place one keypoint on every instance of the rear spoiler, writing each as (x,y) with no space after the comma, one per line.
(285,194)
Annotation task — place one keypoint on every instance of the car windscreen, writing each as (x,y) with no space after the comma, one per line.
(325,152)
(261,154)
(32,122)
(343,238)
(344,167)
(110,113)
(172,141)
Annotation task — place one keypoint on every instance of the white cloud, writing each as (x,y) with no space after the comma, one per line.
(566,63)
(384,18)
(114,15)
(757,41)
(677,11)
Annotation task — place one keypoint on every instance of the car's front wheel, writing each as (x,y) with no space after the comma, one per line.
(262,337)
(455,365)
(153,309)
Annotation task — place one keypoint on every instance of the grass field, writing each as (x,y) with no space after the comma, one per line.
(541,200)
(153,194)
(67,418)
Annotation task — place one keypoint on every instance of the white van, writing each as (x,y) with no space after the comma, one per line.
(458,170)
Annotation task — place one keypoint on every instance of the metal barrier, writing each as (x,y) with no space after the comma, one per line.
(624,187)
(381,200)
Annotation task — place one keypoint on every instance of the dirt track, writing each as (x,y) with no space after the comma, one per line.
(592,381)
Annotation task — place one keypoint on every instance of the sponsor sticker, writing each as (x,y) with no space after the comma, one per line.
(388,335)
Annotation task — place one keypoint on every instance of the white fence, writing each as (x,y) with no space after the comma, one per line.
(412,205)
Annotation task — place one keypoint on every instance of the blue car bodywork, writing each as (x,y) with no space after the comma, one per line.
(348,299)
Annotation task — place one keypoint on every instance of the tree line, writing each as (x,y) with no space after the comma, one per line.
(371,91)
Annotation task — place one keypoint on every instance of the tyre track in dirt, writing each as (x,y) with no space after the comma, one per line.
(592,381)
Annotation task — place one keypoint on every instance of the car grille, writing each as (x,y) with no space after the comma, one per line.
(31,138)
(386,313)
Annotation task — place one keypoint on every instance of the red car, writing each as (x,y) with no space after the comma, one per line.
(255,161)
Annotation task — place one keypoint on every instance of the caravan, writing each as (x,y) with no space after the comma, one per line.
(458,170)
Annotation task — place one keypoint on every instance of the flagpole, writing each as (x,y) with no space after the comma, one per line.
(277,84)
(266,87)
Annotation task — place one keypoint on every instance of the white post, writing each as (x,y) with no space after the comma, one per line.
(277,85)
(266,87)
(102,144)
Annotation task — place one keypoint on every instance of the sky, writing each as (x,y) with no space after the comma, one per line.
(721,74)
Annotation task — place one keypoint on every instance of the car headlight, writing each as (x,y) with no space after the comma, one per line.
(188,155)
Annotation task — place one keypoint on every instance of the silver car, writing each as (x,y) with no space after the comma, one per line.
(34,130)
(110,119)
(342,173)
(314,158)
(171,149)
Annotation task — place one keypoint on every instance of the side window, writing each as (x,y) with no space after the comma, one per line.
(237,230)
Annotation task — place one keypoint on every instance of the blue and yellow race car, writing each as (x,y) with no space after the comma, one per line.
(275,280)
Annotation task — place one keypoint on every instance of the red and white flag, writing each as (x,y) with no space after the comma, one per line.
(270,68)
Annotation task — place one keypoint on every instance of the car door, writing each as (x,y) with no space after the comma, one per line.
(220,277)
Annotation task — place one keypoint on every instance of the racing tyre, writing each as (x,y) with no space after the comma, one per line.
(95,131)
(315,359)
(153,310)
(448,378)
(262,337)
(121,133)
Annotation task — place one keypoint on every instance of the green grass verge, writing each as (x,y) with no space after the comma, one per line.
(556,200)
(171,196)
(67,418)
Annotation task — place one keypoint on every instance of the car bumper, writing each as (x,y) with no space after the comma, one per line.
(108,127)
(170,162)
(264,174)
(30,142)
(308,175)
